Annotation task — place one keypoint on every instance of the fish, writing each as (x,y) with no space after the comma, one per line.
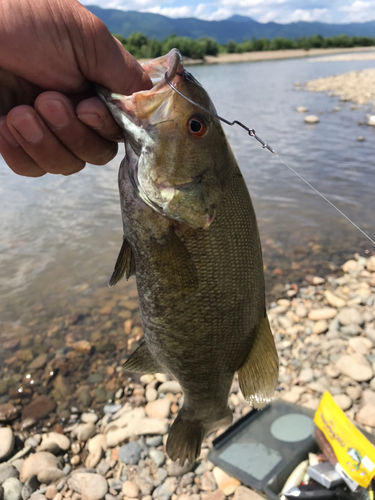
(191,239)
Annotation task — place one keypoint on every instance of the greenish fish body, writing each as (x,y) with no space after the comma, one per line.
(192,241)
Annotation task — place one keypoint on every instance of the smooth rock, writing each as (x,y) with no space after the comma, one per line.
(311,119)
(6,442)
(146,378)
(130,453)
(170,386)
(320,326)
(60,440)
(323,313)
(94,458)
(130,489)
(96,442)
(37,462)
(111,409)
(350,330)
(89,486)
(158,457)
(343,401)
(361,345)
(208,482)
(52,492)
(6,471)
(368,397)
(370,264)
(154,441)
(50,475)
(226,483)
(215,495)
(92,417)
(354,392)
(356,367)
(31,485)
(302,109)
(243,493)
(333,300)
(151,394)
(160,408)
(38,362)
(39,408)
(166,489)
(366,415)
(175,469)
(86,431)
(350,315)
(103,467)
(8,412)
(12,488)
(306,375)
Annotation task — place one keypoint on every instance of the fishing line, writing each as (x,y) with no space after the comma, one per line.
(264,145)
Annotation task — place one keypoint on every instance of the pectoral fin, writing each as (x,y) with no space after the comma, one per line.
(125,264)
(173,259)
(258,375)
(141,361)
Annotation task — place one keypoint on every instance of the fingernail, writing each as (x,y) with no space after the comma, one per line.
(28,127)
(54,113)
(6,134)
(92,120)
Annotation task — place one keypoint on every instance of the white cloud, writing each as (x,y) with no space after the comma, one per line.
(358,11)
(183,11)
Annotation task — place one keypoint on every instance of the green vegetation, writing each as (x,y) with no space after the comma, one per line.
(142,47)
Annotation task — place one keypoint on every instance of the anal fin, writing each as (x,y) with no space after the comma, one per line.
(258,375)
(141,361)
(125,264)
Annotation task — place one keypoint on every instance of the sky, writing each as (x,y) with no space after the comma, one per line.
(280,11)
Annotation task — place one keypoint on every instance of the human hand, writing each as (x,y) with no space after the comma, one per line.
(50,119)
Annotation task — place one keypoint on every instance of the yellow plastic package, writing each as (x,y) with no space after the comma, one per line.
(354,453)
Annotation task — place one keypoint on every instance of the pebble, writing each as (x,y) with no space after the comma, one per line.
(350,315)
(360,345)
(31,485)
(302,109)
(160,408)
(8,412)
(243,493)
(311,119)
(89,486)
(86,431)
(320,326)
(111,409)
(323,313)
(151,394)
(333,300)
(354,392)
(39,408)
(6,442)
(343,401)
(55,439)
(92,417)
(6,471)
(50,475)
(158,457)
(171,386)
(154,441)
(356,367)
(37,462)
(166,489)
(12,488)
(38,362)
(368,397)
(130,453)
(226,483)
(215,495)
(366,415)
(208,482)
(130,489)
(306,375)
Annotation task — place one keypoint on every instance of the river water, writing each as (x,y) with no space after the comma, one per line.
(60,236)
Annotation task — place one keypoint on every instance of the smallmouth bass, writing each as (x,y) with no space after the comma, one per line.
(191,239)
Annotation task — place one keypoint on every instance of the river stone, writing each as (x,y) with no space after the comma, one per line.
(38,362)
(94,457)
(50,475)
(343,401)
(130,489)
(37,462)
(31,485)
(93,417)
(323,313)
(130,453)
(146,378)
(8,412)
(12,489)
(39,408)
(159,409)
(354,392)
(158,457)
(170,386)
(350,315)
(361,345)
(366,415)
(86,431)
(356,367)
(207,481)
(320,326)
(6,442)
(151,394)
(226,483)
(54,438)
(243,493)
(302,109)
(166,489)
(6,471)
(311,119)
(306,375)
(368,397)
(89,486)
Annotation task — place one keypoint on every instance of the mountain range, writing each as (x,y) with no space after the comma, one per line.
(235,28)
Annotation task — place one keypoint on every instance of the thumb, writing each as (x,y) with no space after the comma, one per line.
(102,58)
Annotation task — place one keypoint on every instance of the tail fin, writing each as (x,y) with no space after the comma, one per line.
(185,439)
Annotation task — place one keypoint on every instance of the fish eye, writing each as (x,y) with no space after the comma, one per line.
(197,126)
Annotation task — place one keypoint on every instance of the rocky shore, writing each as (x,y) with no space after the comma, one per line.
(325,335)
(356,86)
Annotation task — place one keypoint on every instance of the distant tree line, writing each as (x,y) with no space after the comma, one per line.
(140,46)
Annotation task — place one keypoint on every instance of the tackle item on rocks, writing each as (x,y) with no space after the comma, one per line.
(325,474)
(346,447)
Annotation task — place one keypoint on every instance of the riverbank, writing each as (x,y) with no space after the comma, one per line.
(56,443)
(269,55)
